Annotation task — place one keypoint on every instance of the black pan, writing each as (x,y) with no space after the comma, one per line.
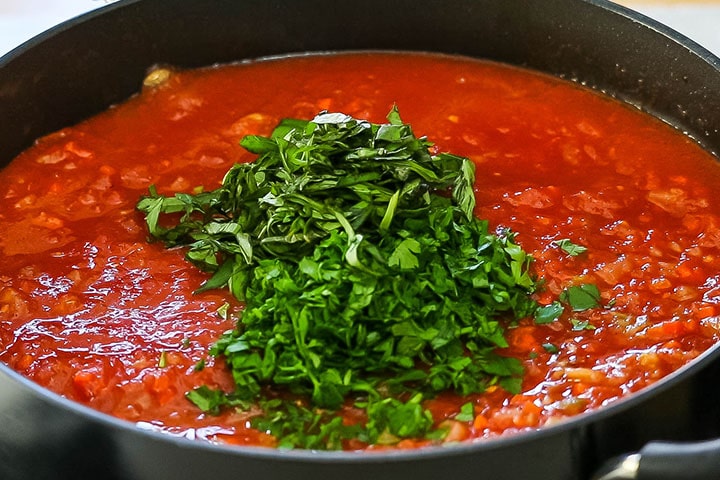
(87,64)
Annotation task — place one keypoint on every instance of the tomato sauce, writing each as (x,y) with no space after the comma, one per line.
(89,309)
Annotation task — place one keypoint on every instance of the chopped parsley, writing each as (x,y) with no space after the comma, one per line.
(467,413)
(162,361)
(579,325)
(548,313)
(367,280)
(581,297)
(569,247)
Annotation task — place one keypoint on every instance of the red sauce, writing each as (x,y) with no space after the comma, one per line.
(91,311)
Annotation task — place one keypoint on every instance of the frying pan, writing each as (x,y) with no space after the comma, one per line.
(81,67)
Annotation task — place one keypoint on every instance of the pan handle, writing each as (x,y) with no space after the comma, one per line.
(666,461)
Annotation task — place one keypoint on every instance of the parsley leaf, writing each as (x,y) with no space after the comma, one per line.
(467,413)
(569,247)
(579,325)
(548,313)
(581,297)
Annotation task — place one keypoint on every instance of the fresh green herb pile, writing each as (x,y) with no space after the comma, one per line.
(366,279)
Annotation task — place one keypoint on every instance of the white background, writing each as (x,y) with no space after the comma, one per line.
(20,20)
